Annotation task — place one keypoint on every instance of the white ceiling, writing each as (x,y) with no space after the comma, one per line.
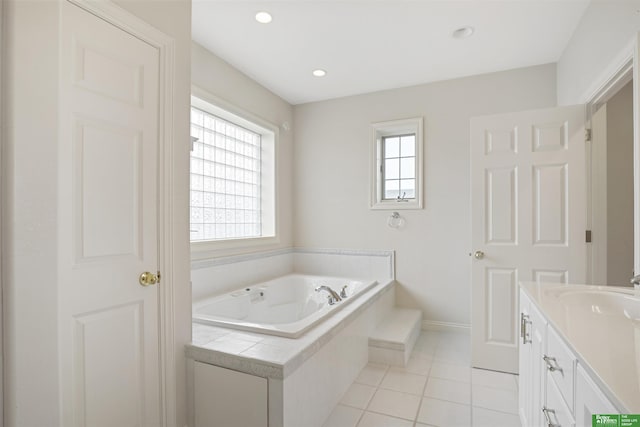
(368,46)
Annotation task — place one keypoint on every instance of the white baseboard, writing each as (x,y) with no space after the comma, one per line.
(435,325)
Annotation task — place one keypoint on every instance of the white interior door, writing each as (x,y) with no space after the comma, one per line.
(528,211)
(108,224)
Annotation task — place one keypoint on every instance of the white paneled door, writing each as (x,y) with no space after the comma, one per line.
(528,219)
(109,326)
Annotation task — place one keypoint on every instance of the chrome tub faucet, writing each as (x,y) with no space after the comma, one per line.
(333,296)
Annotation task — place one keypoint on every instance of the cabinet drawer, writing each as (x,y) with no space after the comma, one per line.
(561,366)
(557,410)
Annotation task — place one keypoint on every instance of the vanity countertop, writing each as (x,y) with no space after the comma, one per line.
(601,324)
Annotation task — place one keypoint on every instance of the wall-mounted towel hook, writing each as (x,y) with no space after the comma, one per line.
(395,220)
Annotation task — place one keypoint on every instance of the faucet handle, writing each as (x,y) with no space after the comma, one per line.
(331,300)
(635,280)
(343,292)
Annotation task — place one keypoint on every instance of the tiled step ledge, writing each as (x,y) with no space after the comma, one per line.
(393,340)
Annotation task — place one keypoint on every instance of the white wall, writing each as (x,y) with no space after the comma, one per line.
(602,41)
(217,77)
(332,167)
(29,202)
(620,187)
(29,214)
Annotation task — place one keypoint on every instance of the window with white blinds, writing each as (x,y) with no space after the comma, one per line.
(226,171)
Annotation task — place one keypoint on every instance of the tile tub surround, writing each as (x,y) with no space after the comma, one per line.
(432,390)
(290,365)
(216,276)
(329,356)
(287,306)
(272,356)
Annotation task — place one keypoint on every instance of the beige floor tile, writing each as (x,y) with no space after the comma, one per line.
(358,395)
(452,391)
(371,419)
(395,404)
(447,371)
(496,399)
(404,382)
(372,374)
(487,418)
(343,416)
(493,379)
(441,413)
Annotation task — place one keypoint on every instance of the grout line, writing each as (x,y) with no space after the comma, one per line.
(424,388)
(496,410)
(493,387)
(391,416)
(360,417)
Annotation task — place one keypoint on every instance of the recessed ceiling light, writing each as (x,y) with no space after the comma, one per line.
(319,73)
(463,33)
(264,17)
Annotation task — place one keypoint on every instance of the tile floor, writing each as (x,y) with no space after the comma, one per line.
(436,388)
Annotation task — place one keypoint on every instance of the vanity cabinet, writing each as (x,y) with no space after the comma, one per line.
(533,330)
(555,390)
(589,399)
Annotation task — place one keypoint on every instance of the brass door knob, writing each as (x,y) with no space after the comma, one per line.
(478,254)
(148,279)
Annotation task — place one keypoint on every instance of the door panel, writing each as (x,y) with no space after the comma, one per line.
(501,289)
(500,141)
(550,136)
(102,231)
(123,80)
(97,382)
(550,204)
(528,217)
(107,224)
(551,276)
(502,208)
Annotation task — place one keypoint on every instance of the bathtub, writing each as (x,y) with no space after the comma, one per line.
(287,306)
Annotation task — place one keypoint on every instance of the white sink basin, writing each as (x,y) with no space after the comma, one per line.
(601,324)
(605,301)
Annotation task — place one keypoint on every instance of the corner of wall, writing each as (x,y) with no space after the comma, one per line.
(601,44)
(220,79)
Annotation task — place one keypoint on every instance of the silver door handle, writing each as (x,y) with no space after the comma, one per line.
(477,254)
(524,319)
(546,411)
(552,363)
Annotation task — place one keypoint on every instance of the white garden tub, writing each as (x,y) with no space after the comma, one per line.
(287,306)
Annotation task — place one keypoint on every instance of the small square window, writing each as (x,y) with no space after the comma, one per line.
(397,168)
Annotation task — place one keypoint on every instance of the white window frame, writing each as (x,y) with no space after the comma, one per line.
(210,103)
(391,128)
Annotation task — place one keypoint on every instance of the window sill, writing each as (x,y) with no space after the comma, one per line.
(393,205)
(215,248)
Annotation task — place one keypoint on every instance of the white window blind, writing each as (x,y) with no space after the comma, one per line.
(225,200)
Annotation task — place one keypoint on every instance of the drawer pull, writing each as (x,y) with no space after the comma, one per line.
(552,363)
(524,319)
(546,411)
